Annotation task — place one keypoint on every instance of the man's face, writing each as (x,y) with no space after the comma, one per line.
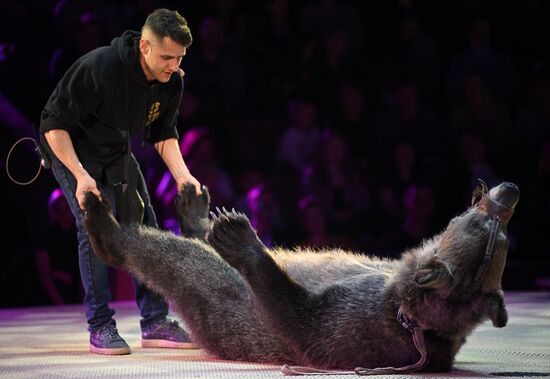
(161,58)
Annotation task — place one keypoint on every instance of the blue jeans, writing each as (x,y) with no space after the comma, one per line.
(93,271)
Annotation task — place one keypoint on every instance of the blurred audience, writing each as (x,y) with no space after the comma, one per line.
(265,215)
(419,202)
(301,139)
(408,116)
(215,71)
(247,180)
(315,229)
(198,147)
(480,56)
(353,118)
(79,33)
(56,254)
(344,105)
(478,113)
(533,118)
(473,155)
(338,184)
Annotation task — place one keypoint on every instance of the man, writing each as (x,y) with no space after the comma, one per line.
(133,85)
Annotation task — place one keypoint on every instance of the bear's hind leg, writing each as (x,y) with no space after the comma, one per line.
(187,273)
(192,212)
(102,229)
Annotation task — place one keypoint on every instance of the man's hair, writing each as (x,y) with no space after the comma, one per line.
(166,23)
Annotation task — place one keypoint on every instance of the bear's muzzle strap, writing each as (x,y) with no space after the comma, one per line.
(500,214)
(495,209)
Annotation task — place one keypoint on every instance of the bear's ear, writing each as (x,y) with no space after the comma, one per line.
(432,274)
(480,190)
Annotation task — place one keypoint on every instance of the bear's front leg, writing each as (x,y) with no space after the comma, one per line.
(235,240)
(192,212)
(290,310)
(493,307)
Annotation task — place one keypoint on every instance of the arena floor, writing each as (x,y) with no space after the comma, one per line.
(51,342)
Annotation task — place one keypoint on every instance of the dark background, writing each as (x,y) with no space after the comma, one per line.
(460,89)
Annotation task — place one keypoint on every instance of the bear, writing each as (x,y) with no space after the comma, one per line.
(327,309)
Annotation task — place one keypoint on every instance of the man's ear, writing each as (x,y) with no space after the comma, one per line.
(143,46)
(432,274)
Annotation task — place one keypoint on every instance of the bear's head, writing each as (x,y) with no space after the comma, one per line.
(469,256)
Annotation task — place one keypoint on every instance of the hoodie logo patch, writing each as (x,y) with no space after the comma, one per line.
(153,113)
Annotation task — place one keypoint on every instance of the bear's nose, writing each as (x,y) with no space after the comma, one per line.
(506,194)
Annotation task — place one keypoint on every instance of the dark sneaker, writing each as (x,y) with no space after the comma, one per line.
(168,334)
(106,340)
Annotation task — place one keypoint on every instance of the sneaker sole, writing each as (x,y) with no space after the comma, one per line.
(168,344)
(110,351)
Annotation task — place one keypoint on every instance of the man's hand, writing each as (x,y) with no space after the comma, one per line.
(62,146)
(170,152)
(85,183)
(191,180)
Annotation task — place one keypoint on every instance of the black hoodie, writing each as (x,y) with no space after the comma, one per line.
(105,93)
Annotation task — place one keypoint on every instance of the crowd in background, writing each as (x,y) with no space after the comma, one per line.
(364,125)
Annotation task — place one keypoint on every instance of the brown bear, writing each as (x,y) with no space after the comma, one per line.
(326,309)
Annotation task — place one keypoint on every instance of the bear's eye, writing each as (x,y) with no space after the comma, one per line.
(475,223)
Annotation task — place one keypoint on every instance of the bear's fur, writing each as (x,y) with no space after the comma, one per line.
(329,309)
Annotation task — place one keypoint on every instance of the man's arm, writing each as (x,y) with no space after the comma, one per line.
(170,152)
(61,144)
